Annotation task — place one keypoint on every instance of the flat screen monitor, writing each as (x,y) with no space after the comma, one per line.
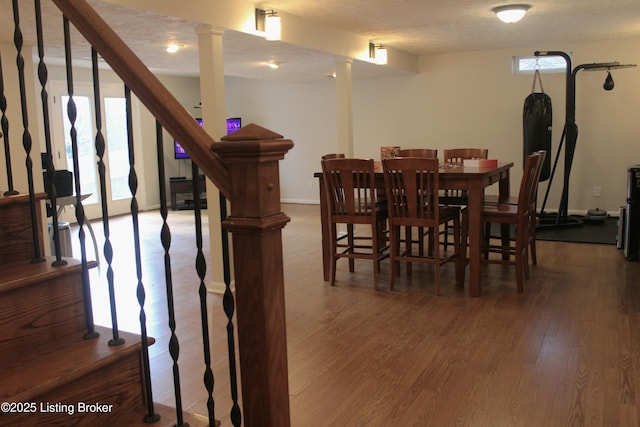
(178,151)
(233,124)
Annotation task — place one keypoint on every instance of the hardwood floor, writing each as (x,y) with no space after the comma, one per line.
(566,352)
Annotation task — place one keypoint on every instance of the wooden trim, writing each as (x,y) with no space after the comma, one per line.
(256,223)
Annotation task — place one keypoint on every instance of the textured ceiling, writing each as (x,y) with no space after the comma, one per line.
(418,27)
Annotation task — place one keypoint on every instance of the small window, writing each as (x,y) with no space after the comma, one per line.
(528,64)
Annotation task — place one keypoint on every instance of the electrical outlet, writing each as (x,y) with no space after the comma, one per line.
(597,191)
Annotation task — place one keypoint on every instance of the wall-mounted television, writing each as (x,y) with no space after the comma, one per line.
(233,124)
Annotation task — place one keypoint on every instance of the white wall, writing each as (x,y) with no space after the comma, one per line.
(304,113)
(464,99)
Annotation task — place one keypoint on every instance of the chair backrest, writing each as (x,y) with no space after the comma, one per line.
(412,185)
(457,155)
(418,152)
(333,156)
(530,179)
(350,187)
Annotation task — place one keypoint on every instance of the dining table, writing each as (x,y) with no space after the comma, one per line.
(452,177)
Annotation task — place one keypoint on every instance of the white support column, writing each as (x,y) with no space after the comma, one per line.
(214,112)
(344,107)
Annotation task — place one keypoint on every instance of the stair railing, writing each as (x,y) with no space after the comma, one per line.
(243,166)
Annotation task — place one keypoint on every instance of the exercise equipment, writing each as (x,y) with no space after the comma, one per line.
(537,121)
(570,133)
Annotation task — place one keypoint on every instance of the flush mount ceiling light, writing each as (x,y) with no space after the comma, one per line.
(274,65)
(268,22)
(511,12)
(378,53)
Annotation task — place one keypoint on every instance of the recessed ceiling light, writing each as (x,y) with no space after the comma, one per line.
(274,65)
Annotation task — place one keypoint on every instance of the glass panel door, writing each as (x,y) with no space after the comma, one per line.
(116,157)
(115,124)
(86,148)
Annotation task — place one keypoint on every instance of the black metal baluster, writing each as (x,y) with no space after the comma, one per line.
(100,150)
(165,237)
(50,170)
(140,292)
(229,307)
(4,123)
(201,268)
(27,142)
(80,217)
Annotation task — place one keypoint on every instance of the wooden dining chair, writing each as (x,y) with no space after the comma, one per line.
(519,215)
(352,200)
(349,235)
(412,185)
(492,199)
(418,152)
(333,156)
(427,153)
(457,156)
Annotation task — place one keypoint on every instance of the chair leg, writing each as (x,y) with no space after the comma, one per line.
(460,258)
(374,256)
(505,231)
(334,261)
(486,239)
(464,236)
(394,247)
(351,240)
(532,249)
(532,239)
(436,255)
(519,264)
(445,239)
(408,248)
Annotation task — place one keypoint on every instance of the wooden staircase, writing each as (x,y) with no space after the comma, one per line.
(50,374)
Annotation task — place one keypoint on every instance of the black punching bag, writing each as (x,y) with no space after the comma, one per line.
(537,120)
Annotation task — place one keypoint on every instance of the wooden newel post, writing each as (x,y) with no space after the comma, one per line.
(256,222)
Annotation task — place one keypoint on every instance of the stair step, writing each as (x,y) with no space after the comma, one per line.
(40,302)
(62,375)
(16,232)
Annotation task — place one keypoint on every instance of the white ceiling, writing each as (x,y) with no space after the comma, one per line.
(417,27)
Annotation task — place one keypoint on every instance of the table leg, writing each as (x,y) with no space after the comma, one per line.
(474,212)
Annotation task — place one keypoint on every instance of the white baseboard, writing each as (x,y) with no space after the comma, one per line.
(220,288)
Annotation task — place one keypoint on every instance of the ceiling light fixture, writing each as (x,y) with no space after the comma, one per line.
(268,22)
(274,65)
(378,53)
(173,47)
(511,13)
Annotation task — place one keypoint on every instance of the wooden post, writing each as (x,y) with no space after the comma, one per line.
(255,222)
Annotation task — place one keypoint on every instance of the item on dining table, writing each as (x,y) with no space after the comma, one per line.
(389,152)
(480,163)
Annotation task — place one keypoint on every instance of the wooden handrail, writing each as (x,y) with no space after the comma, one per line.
(151,92)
